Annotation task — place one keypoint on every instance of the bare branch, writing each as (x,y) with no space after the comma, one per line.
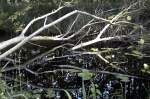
(15,40)
(46,26)
(40,30)
(95,41)
(39,18)
(36,33)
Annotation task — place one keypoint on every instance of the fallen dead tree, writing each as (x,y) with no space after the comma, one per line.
(21,40)
(83,50)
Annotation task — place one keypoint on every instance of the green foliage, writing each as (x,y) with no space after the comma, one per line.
(141,41)
(83,90)
(17,17)
(129,18)
(85,74)
(50,93)
(123,78)
(111,17)
(3,90)
(146,68)
(15,14)
(68,95)
(94,49)
(95,90)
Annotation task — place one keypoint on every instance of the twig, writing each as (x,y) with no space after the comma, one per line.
(71,26)
(39,18)
(32,60)
(95,41)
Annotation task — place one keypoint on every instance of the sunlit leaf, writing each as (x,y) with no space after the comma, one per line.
(110,17)
(146,66)
(129,18)
(141,41)
(94,49)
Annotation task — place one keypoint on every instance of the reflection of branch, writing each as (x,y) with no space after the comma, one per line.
(75,69)
(34,86)
(116,74)
(70,68)
(32,60)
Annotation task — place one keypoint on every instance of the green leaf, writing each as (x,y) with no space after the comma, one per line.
(68,94)
(83,89)
(141,41)
(96,85)
(129,18)
(123,78)
(108,57)
(93,90)
(85,74)
(110,17)
(50,93)
(98,92)
(146,66)
(94,49)
(135,27)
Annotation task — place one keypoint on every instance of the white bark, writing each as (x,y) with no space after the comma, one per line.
(39,18)
(40,30)
(21,40)
(15,40)
(93,42)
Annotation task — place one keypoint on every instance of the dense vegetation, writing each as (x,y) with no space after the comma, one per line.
(84,49)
